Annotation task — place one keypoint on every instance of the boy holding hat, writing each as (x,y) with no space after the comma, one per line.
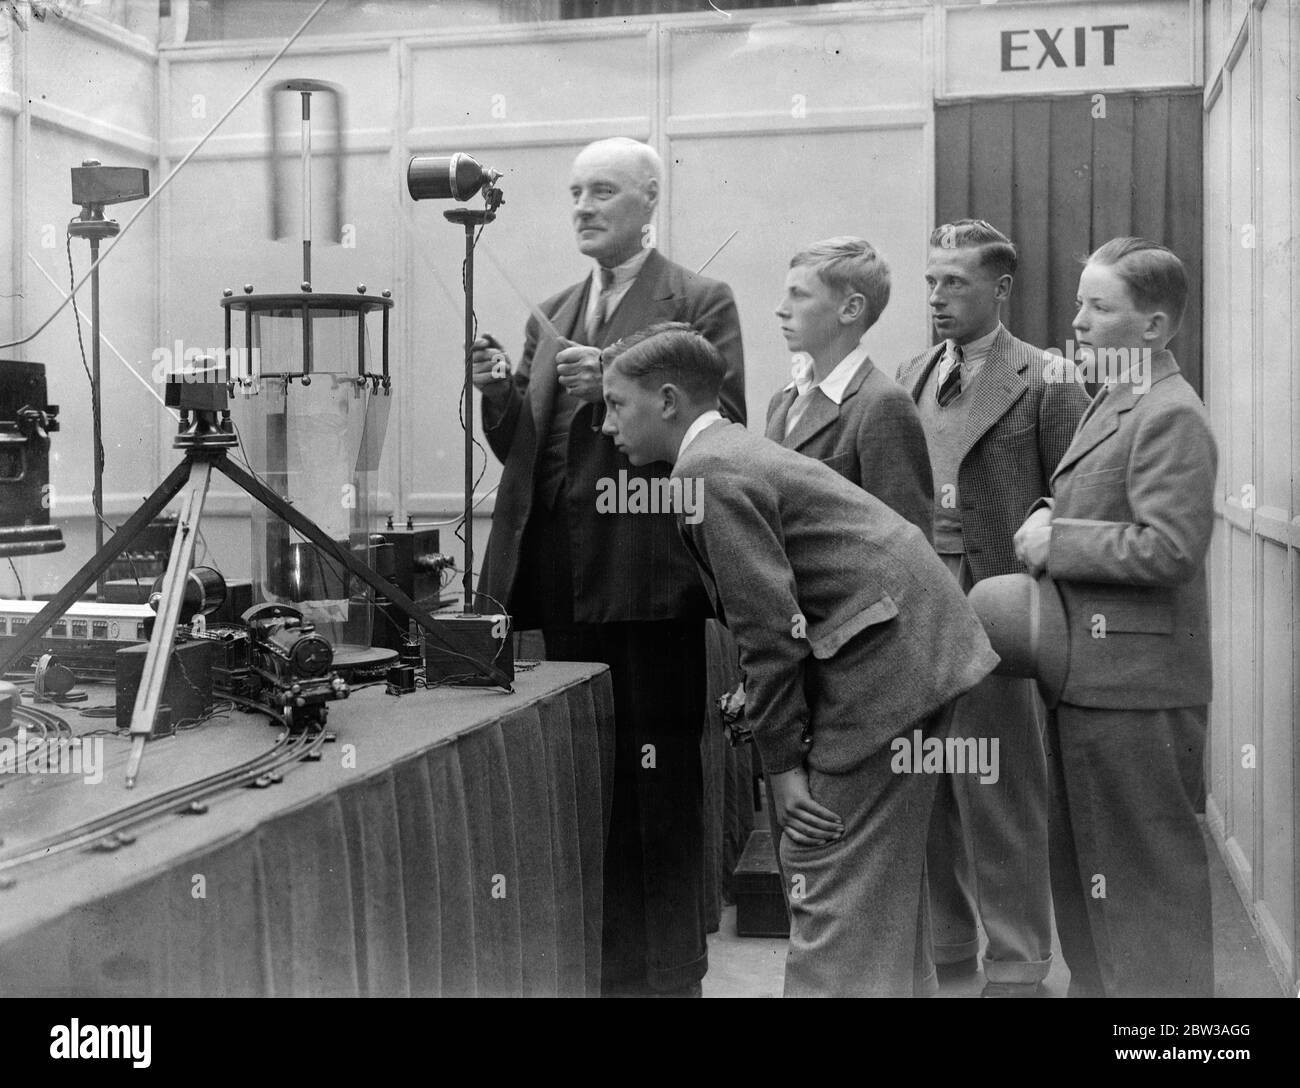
(1125,537)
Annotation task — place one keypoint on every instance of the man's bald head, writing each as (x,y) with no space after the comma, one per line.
(640,157)
(615,190)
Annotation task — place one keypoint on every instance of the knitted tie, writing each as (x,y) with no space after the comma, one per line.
(950,387)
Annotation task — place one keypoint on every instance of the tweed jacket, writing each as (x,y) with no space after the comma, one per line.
(1017,431)
(873,438)
(626,566)
(849,626)
(1132,514)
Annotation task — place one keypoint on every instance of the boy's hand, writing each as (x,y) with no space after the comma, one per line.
(1033,541)
(803,819)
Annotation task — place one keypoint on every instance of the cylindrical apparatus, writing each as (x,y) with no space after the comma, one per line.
(205,592)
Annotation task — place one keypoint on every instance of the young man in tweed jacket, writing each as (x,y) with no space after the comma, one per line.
(996,428)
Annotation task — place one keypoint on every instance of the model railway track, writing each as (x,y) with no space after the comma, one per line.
(47,727)
(107,832)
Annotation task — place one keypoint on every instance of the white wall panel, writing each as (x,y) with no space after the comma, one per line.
(786,69)
(81,90)
(760,186)
(1252,186)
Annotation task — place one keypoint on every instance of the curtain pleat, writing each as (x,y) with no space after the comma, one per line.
(560,768)
(535,890)
(422,876)
(593,770)
(456,901)
(308,903)
(1060,181)
(494,871)
(376,865)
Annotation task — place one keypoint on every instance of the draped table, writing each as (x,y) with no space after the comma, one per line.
(449,843)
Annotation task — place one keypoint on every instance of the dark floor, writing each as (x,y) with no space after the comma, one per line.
(754,966)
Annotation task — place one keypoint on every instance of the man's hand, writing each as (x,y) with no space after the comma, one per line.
(1033,541)
(803,819)
(578,367)
(492,375)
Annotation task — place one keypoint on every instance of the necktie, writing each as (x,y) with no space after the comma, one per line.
(950,387)
(601,313)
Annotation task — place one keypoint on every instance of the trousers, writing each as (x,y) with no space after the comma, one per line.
(1130,878)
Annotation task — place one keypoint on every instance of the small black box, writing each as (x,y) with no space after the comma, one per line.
(239,599)
(484,638)
(188,690)
(756,884)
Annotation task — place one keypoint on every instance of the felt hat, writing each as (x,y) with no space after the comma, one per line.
(1025,621)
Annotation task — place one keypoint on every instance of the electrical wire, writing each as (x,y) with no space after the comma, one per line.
(170,177)
(22,595)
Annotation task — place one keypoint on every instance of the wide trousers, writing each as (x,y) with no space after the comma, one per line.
(859,907)
(1130,879)
(987,853)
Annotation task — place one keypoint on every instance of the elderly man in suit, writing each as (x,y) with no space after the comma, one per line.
(996,430)
(841,409)
(1125,537)
(608,582)
(852,639)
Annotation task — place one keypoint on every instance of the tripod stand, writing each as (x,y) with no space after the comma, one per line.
(204,438)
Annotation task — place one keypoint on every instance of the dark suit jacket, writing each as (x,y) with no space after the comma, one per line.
(626,566)
(873,438)
(1132,514)
(887,636)
(1016,433)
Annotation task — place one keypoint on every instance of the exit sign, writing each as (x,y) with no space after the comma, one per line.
(1010,48)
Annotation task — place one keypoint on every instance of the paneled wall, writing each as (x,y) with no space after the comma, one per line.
(783,130)
(75,88)
(1252,181)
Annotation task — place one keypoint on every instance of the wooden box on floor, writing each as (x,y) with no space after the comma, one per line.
(760,904)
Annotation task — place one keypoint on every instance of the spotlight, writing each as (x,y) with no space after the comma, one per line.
(442,177)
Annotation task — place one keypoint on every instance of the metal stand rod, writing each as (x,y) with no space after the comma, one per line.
(469,218)
(468,580)
(306,186)
(96,402)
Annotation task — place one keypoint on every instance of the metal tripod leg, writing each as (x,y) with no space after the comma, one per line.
(88,574)
(309,529)
(149,695)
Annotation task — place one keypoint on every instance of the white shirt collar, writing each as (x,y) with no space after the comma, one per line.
(975,352)
(624,273)
(693,431)
(837,381)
